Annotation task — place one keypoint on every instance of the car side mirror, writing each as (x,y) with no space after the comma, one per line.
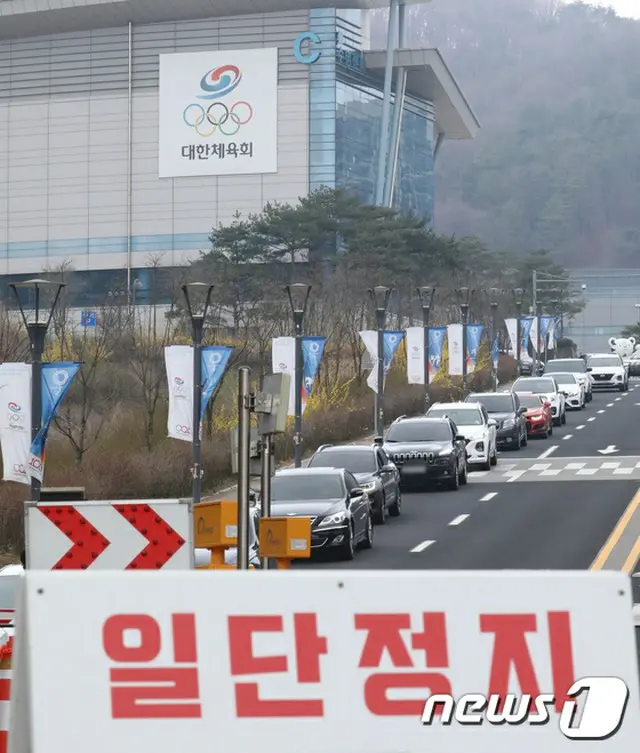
(522,410)
(388,468)
(460,438)
(564,392)
(589,368)
(547,404)
(492,422)
(355,493)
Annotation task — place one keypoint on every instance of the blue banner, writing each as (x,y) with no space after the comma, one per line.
(391,342)
(525,333)
(214,363)
(474,335)
(436,344)
(495,353)
(545,326)
(312,351)
(56,380)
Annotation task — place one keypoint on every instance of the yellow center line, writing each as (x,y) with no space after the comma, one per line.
(616,535)
(632,559)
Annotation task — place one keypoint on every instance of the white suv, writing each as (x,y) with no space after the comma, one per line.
(608,371)
(479,431)
(577,366)
(547,387)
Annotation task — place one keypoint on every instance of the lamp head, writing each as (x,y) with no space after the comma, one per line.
(37,300)
(426,295)
(518,295)
(298,293)
(198,297)
(380,297)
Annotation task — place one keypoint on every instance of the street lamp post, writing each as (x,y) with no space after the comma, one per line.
(36,315)
(426,302)
(464,297)
(494,293)
(518,294)
(380,299)
(197,296)
(298,293)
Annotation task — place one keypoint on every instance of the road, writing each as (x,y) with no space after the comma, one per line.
(557,503)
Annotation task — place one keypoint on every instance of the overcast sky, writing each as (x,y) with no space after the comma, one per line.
(629,8)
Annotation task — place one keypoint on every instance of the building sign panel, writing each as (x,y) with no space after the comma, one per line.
(218,113)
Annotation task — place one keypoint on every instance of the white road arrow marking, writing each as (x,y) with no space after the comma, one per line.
(609,450)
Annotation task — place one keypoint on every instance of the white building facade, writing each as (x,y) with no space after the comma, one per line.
(129,130)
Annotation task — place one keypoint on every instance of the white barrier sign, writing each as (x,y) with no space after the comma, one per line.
(335,662)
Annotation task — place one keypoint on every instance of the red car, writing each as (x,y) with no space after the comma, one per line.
(538,415)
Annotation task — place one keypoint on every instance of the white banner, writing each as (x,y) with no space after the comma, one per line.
(178,361)
(512,331)
(341,661)
(454,336)
(551,336)
(370,339)
(415,355)
(218,113)
(283,359)
(15,427)
(533,335)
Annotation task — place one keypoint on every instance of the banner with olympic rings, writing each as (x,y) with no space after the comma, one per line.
(218,113)
(15,427)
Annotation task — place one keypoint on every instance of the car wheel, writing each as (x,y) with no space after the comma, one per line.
(348,550)
(486,466)
(550,434)
(464,476)
(367,542)
(518,444)
(396,507)
(557,422)
(525,439)
(380,515)
(564,418)
(621,388)
(494,458)
(454,483)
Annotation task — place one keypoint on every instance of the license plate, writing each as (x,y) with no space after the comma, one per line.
(413,469)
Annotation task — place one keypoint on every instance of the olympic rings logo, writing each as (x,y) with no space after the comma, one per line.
(183,429)
(217,117)
(19,468)
(36,464)
(15,418)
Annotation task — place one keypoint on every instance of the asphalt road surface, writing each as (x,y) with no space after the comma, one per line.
(568,502)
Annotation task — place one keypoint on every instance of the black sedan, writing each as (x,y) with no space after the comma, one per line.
(373,470)
(505,409)
(427,450)
(339,509)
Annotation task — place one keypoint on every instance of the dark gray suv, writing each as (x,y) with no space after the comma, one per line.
(505,409)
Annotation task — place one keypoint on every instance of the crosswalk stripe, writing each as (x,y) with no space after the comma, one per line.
(556,472)
(574,466)
(540,467)
(587,472)
(610,465)
(623,471)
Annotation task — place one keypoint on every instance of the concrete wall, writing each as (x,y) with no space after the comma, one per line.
(64,141)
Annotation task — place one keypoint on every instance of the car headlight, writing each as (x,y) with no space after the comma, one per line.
(508,423)
(370,486)
(445,453)
(334,520)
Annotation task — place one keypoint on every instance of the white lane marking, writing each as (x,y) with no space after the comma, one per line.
(458,520)
(421,547)
(578,428)
(623,471)
(574,466)
(507,466)
(488,497)
(610,465)
(548,452)
(587,472)
(593,418)
(567,436)
(609,405)
(553,472)
(480,474)
(618,399)
(540,466)
(600,412)
(515,475)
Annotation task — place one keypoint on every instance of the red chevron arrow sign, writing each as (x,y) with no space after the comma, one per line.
(137,535)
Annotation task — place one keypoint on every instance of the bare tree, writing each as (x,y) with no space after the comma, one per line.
(95,389)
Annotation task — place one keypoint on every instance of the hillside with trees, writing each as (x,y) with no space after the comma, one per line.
(557,162)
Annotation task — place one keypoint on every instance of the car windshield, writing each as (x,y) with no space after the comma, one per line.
(353,460)
(537,386)
(304,487)
(574,367)
(564,378)
(530,401)
(419,431)
(600,361)
(494,403)
(459,416)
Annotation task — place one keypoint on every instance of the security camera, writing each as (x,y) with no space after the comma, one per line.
(584,287)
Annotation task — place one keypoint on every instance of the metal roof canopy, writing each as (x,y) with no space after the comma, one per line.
(24,18)
(428,77)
